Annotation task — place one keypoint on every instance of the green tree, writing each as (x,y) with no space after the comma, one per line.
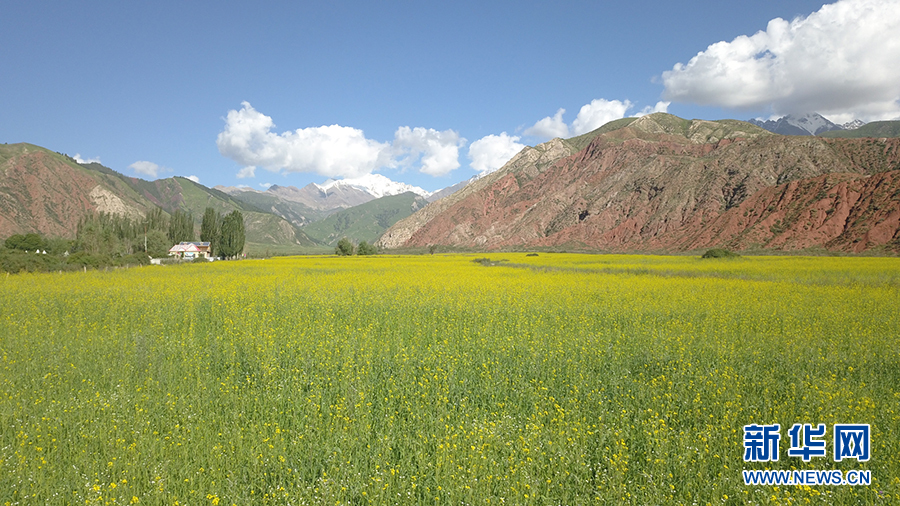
(27,242)
(210,229)
(365,248)
(231,237)
(157,244)
(181,227)
(344,247)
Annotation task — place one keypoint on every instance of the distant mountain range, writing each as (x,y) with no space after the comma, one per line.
(46,192)
(663,183)
(360,209)
(804,124)
(655,183)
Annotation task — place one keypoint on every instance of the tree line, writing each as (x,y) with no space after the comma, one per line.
(225,234)
(103,239)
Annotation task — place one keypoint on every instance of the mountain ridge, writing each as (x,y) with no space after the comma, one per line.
(48,193)
(657,183)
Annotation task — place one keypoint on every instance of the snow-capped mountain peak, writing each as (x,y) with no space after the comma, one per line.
(813,123)
(803,124)
(376,185)
(853,125)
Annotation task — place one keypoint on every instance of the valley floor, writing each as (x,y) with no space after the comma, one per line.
(548,379)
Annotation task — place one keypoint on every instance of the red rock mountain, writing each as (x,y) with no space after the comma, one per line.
(48,193)
(661,183)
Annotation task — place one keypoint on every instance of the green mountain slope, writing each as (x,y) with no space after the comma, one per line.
(294,212)
(46,192)
(365,222)
(876,129)
(181,193)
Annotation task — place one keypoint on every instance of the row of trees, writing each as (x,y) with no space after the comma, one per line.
(225,234)
(345,247)
(116,235)
(103,239)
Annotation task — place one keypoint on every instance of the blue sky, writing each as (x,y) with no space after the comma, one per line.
(424,93)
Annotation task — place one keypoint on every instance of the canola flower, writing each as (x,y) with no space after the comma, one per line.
(557,379)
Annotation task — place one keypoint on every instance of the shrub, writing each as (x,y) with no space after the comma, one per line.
(365,248)
(720,253)
(344,247)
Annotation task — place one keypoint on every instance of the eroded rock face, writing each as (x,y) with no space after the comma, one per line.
(32,181)
(663,183)
(106,201)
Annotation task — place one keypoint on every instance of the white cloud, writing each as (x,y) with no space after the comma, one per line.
(246,172)
(550,127)
(598,113)
(81,160)
(265,185)
(590,117)
(439,151)
(491,152)
(333,151)
(840,61)
(659,107)
(194,179)
(145,168)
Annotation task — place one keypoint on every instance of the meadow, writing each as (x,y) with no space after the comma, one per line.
(550,379)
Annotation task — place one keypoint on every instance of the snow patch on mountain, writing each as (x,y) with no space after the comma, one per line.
(804,124)
(376,185)
(813,123)
(853,125)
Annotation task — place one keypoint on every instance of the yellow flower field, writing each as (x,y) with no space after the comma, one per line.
(551,379)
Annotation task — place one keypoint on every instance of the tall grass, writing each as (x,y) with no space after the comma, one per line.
(596,379)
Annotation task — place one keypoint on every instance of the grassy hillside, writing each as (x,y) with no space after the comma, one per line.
(173,193)
(877,129)
(295,212)
(365,222)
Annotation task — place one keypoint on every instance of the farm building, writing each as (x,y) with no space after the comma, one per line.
(190,250)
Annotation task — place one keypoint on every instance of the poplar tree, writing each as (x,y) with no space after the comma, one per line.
(181,227)
(231,237)
(210,229)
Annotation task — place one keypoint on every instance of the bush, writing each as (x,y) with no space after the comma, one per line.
(344,247)
(27,242)
(365,248)
(140,258)
(720,253)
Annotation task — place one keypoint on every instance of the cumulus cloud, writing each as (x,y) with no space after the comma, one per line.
(265,185)
(247,172)
(491,152)
(437,151)
(194,179)
(550,127)
(333,151)
(590,117)
(598,113)
(81,160)
(840,61)
(145,168)
(659,107)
